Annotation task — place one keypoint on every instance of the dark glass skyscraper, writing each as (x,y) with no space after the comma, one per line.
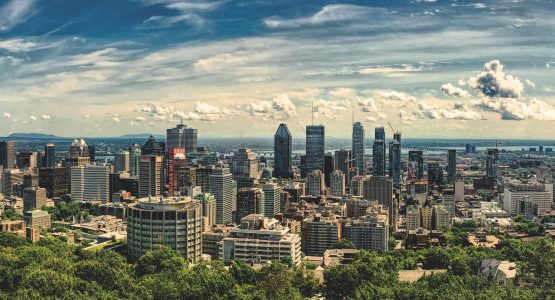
(395,162)
(358,147)
(182,137)
(451,165)
(315,142)
(49,155)
(283,151)
(416,164)
(7,154)
(378,152)
(491,163)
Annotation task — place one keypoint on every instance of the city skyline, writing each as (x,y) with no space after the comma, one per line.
(225,67)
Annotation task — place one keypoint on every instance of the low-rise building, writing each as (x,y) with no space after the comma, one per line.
(504,272)
(37,219)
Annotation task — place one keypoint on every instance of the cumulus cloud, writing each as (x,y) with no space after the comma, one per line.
(512,109)
(530,83)
(205,112)
(330,109)
(391,95)
(45,117)
(279,108)
(33,118)
(116,119)
(458,111)
(493,82)
(453,91)
(6,115)
(370,119)
(367,104)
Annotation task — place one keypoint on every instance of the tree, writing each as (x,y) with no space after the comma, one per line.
(343,244)
(160,260)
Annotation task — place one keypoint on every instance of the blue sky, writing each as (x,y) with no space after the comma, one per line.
(479,69)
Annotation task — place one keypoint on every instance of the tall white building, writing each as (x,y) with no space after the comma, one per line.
(272,199)
(90,182)
(244,164)
(150,175)
(224,190)
(259,240)
(337,183)
(539,195)
(316,184)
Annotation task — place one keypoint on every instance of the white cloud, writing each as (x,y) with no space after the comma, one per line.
(14,12)
(370,119)
(33,118)
(86,116)
(454,91)
(493,82)
(17,45)
(218,62)
(459,111)
(116,119)
(367,104)
(342,93)
(279,108)
(391,95)
(512,109)
(530,83)
(328,14)
(45,117)
(6,115)
(140,119)
(330,109)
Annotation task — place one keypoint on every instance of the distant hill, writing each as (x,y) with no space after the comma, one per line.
(33,136)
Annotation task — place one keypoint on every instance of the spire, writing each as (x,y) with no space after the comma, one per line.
(312,112)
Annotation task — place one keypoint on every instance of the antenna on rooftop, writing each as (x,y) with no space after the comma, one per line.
(312,112)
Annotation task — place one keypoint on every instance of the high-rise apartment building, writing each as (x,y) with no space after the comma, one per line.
(121,161)
(395,159)
(34,198)
(315,182)
(435,174)
(171,222)
(283,152)
(134,155)
(319,233)
(150,175)
(244,164)
(272,199)
(208,203)
(222,187)
(176,161)
(315,143)
(378,155)
(370,232)
(337,183)
(358,148)
(249,201)
(491,162)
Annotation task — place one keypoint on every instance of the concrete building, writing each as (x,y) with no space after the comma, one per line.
(172,222)
(34,198)
(244,164)
(370,232)
(224,190)
(259,240)
(358,147)
(37,219)
(319,233)
(90,182)
(272,199)
(78,154)
(357,185)
(337,183)
(121,161)
(451,165)
(208,203)
(249,201)
(7,154)
(150,175)
(315,182)
(540,195)
(379,188)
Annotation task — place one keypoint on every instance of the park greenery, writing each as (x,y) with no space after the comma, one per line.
(53,269)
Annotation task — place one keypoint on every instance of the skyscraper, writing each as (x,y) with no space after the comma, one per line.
(49,155)
(90,182)
(121,161)
(7,154)
(221,186)
(150,175)
(378,153)
(78,154)
(151,146)
(315,143)
(358,147)
(175,137)
(451,165)
(395,162)
(190,140)
(435,174)
(134,154)
(378,158)
(249,201)
(244,164)
(272,203)
(491,163)
(283,147)
(416,164)
(175,162)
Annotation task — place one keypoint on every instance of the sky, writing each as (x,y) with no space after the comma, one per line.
(439,69)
